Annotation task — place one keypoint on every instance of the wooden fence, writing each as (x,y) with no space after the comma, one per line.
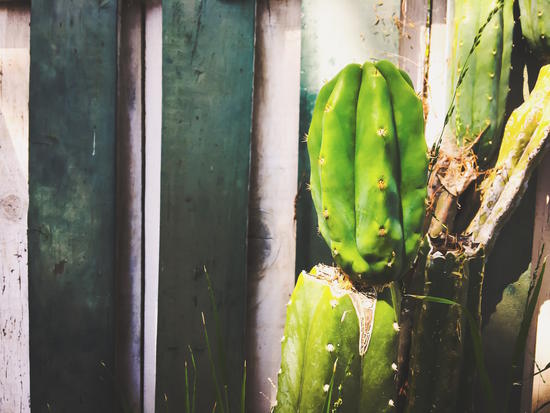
(143,145)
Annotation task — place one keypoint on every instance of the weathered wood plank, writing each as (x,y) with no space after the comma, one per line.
(208,50)
(536,391)
(129,205)
(412,39)
(72,208)
(334,34)
(14,198)
(274,165)
(153,132)
(436,87)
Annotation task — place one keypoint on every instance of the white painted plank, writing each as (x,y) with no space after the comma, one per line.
(412,40)
(437,86)
(536,390)
(14,316)
(274,166)
(153,130)
(347,31)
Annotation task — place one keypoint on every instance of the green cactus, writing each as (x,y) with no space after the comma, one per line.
(442,365)
(480,100)
(369,170)
(339,347)
(535,26)
(524,143)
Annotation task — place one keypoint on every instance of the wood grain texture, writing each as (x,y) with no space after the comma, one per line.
(274,165)
(14,198)
(412,39)
(152,147)
(537,391)
(333,35)
(436,87)
(208,50)
(129,204)
(72,205)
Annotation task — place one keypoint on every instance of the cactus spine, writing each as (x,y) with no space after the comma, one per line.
(368,170)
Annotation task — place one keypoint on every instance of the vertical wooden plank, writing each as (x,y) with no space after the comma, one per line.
(274,165)
(129,206)
(333,35)
(208,50)
(437,71)
(412,38)
(71,206)
(536,391)
(153,131)
(14,134)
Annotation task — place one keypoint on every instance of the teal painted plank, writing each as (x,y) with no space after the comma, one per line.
(208,50)
(71,212)
(333,35)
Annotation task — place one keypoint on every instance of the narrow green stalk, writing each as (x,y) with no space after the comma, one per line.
(243,389)
(217,324)
(187,399)
(329,393)
(219,398)
(194,393)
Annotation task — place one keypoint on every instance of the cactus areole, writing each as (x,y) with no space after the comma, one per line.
(369,170)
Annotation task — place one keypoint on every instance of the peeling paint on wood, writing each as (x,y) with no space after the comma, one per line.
(412,39)
(71,207)
(14,316)
(537,355)
(274,165)
(208,49)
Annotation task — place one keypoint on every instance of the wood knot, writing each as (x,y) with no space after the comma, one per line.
(11,207)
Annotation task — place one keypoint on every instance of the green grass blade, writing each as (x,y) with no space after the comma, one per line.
(187,398)
(194,393)
(226,398)
(326,408)
(243,389)
(219,398)
(217,325)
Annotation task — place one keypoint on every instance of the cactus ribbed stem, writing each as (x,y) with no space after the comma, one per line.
(369,170)
(480,100)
